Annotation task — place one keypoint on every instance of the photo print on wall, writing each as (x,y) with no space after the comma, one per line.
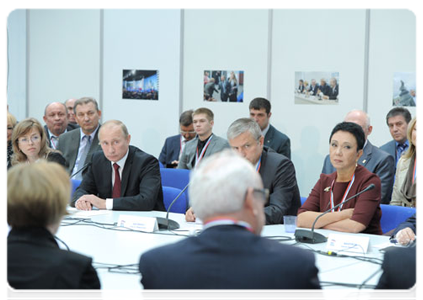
(140,84)
(316,88)
(404,89)
(223,86)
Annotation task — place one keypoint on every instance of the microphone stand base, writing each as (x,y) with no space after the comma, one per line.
(309,237)
(167,224)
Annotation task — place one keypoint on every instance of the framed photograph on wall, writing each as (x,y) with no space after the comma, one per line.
(316,88)
(404,89)
(223,86)
(140,84)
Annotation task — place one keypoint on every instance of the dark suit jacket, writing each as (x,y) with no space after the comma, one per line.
(314,90)
(376,161)
(324,89)
(410,222)
(170,150)
(141,182)
(390,148)
(35,261)
(225,88)
(69,128)
(278,175)
(333,93)
(278,141)
(399,269)
(228,257)
(69,146)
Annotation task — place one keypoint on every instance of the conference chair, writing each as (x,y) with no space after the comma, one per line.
(177,178)
(75,183)
(169,194)
(303,199)
(161,165)
(393,215)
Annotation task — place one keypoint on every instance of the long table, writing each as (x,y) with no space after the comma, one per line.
(109,246)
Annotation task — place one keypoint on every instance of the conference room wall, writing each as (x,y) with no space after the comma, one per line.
(63,57)
(392,49)
(311,41)
(16,88)
(225,40)
(143,40)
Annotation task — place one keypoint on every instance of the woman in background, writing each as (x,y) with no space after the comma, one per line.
(404,192)
(37,196)
(30,144)
(11,123)
(233,93)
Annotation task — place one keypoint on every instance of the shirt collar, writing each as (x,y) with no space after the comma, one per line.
(406,142)
(92,134)
(265,130)
(51,134)
(122,161)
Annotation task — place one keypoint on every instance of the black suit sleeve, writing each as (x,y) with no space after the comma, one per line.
(410,222)
(284,193)
(89,279)
(286,148)
(87,186)
(150,194)
(385,171)
(163,154)
(57,158)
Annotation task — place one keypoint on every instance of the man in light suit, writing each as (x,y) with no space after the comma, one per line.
(276,171)
(56,119)
(121,177)
(397,120)
(205,143)
(77,146)
(375,160)
(260,112)
(174,145)
(229,253)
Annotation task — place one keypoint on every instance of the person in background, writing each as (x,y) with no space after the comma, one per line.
(227,193)
(205,143)
(273,138)
(11,123)
(56,119)
(323,88)
(224,88)
(30,144)
(174,145)
(404,192)
(374,159)
(233,93)
(70,107)
(37,196)
(361,214)
(333,91)
(313,88)
(300,88)
(397,120)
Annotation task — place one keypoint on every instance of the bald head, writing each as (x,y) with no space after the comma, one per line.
(56,118)
(361,118)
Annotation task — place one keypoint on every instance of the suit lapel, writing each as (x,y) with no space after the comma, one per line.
(74,147)
(127,171)
(367,154)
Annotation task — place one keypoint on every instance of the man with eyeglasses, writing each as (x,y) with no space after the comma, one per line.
(276,170)
(227,194)
(174,145)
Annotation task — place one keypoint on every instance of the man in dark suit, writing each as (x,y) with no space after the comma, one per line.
(174,145)
(77,146)
(260,112)
(397,120)
(121,177)
(301,87)
(323,88)
(277,171)
(70,103)
(374,159)
(333,91)
(205,143)
(229,253)
(401,275)
(224,88)
(313,88)
(56,119)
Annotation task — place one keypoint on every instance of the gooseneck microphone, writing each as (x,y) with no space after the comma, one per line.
(166,223)
(81,170)
(311,237)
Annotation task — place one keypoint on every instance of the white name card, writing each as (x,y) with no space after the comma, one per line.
(147,224)
(347,243)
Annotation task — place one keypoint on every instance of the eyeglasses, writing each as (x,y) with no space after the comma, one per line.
(25,140)
(9,128)
(187,132)
(264,194)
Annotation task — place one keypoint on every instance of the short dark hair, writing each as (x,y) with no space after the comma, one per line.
(352,128)
(259,103)
(186,118)
(399,111)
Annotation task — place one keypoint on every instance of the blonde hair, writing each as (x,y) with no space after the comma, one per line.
(21,129)
(11,119)
(412,148)
(37,194)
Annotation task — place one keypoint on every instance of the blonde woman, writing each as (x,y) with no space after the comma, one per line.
(404,193)
(30,144)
